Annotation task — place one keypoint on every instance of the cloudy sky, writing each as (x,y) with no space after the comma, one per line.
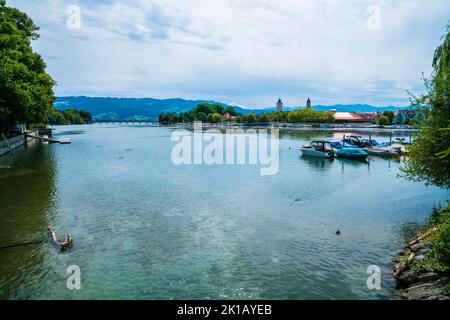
(247,52)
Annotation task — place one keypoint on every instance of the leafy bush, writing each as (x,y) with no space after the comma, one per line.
(383,121)
(70,116)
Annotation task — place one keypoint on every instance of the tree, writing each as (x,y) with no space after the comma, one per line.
(429,156)
(390,115)
(263,118)
(278,116)
(383,121)
(174,118)
(69,116)
(26,90)
(219,109)
(216,117)
(251,118)
(201,116)
(308,115)
(231,111)
(292,117)
(56,117)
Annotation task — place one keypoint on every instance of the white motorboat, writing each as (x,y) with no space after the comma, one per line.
(318,148)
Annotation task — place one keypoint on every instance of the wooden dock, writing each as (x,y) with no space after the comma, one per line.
(47,139)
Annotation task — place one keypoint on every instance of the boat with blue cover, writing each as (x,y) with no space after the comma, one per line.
(352,153)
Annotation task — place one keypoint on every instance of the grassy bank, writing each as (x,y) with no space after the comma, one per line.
(422,269)
(438,235)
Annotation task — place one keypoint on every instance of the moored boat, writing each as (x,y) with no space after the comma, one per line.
(318,148)
(352,153)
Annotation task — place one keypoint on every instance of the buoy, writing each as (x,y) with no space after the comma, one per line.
(338,232)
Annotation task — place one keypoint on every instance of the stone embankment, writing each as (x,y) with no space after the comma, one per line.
(423,283)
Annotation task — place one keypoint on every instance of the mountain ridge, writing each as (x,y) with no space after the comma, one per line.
(148,109)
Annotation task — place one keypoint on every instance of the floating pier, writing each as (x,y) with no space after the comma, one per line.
(47,139)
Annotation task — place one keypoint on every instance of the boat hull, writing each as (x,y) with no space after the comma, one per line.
(382,152)
(352,153)
(318,154)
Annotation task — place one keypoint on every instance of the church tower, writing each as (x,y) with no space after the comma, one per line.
(308,103)
(279,105)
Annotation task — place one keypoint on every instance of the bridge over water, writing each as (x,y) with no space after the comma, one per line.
(126,122)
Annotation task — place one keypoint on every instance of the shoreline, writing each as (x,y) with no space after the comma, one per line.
(343,128)
(418,271)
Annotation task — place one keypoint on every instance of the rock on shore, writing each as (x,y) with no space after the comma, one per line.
(426,284)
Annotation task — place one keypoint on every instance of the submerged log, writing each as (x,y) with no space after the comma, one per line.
(64,245)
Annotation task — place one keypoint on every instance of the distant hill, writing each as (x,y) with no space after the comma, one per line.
(148,109)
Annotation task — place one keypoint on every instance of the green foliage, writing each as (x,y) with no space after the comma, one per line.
(251,118)
(383,121)
(441,241)
(438,235)
(26,90)
(231,111)
(263,118)
(279,116)
(70,116)
(216,117)
(390,115)
(429,157)
(205,112)
(210,113)
(36,126)
(309,115)
(208,108)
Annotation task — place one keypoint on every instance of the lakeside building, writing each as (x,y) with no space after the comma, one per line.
(403,116)
(356,116)
(279,105)
(227,116)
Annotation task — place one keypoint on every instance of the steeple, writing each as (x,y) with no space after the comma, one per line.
(308,103)
(279,105)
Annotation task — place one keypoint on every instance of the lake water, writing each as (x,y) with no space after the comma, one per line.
(145,228)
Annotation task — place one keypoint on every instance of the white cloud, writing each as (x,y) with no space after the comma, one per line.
(246,51)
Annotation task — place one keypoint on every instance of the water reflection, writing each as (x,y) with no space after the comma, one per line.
(145,228)
(319,164)
(27,196)
(351,163)
(70,132)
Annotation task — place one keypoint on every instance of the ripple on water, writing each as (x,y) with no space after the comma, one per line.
(147,229)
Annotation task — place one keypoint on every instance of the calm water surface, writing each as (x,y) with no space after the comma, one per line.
(145,228)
